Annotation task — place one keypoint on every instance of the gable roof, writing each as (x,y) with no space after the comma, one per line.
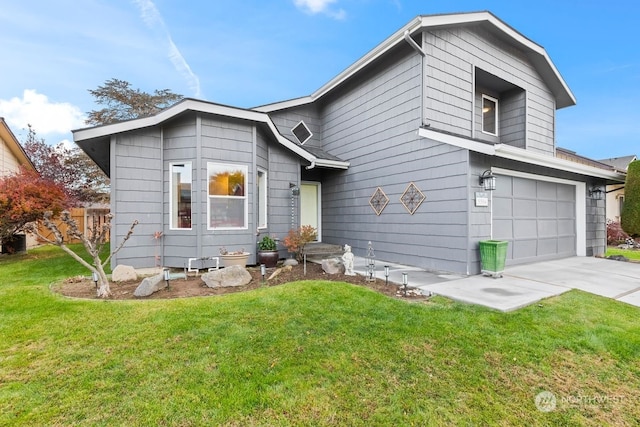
(14,146)
(536,54)
(95,141)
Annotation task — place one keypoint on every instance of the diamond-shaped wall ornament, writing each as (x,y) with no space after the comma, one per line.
(412,198)
(378,201)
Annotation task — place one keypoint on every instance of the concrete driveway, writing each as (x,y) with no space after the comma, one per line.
(526,284)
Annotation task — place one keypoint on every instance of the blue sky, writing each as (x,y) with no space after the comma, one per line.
(252,52)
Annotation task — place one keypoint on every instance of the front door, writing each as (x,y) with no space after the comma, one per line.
(310,213)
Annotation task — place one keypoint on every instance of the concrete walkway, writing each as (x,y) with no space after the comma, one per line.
(526,284)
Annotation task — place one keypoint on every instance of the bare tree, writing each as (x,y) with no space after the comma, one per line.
(94,243)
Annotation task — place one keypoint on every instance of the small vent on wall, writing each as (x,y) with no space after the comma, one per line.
(301,132)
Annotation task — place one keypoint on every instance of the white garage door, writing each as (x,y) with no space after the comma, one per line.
(537,218)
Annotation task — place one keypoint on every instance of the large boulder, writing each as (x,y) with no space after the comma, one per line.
(150,285)
(234,275)
(124,273)
(332,266)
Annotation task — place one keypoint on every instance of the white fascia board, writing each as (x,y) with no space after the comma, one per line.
(381,49)
(277,106)
(333,164)
(457,141)
(192,105)
(164,115)
(521,155)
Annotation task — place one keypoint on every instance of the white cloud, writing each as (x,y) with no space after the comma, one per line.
(44,116)
(151,16)
(320,6)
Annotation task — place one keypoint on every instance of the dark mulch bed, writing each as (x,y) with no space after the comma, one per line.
(79,287)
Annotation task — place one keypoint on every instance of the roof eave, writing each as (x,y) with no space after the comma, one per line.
(522,155)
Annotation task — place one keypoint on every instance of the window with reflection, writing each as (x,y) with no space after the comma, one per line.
(489,115)
(227,204)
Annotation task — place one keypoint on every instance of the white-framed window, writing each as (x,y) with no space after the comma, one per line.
(489,115)
(227,198)
(180,195)
(261,189)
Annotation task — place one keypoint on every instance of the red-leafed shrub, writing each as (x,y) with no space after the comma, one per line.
(615,234)
(24,198)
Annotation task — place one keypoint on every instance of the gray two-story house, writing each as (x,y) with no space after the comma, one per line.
(440,137)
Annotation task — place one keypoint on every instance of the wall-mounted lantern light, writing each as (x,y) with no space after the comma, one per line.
(488,180)
(596,193)
(295,190)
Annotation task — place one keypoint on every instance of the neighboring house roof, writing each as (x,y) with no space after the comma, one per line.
(563,153)
(95,141)
(14,147)
(620,163)
(536,54)
(519,154)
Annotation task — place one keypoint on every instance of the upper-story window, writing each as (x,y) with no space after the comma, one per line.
(489,115)
(180,195)
(227,197)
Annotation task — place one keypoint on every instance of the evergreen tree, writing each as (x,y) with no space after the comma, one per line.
(630,216)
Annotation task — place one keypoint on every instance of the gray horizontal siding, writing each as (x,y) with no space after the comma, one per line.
(452,55)
(137,195)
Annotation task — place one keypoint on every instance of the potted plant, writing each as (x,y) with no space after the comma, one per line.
(267,252)
(234,258)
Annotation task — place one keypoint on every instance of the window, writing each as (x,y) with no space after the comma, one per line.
(489,115)
(227,207)
(262,199)
(180,195)
(301,132)
(620,203)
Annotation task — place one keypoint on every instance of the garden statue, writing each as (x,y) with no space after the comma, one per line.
(347,260)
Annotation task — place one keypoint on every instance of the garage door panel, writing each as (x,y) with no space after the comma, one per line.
(566,227)
(523,186)
(503,229)
(566,209)
(567,246)
(524,208)
(524,228)
(503,207)
(566,192)
(547,228)
(525,249)
(537,218)
(547,190)
(547,209)
(547,247)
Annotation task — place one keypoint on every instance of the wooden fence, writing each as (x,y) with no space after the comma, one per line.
(86,218)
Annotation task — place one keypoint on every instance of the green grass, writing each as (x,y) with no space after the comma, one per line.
(306,353)
(632,254)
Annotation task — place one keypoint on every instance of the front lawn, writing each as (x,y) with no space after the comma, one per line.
(307,353)
(632,254)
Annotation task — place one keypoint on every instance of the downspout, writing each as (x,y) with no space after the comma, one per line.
(417,48)
(311,166)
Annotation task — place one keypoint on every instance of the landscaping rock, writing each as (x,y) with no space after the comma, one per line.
(150,285)
(227,277)
(290,261)
(124,273)
(332,266)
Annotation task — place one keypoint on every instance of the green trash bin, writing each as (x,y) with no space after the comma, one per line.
(493,255)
